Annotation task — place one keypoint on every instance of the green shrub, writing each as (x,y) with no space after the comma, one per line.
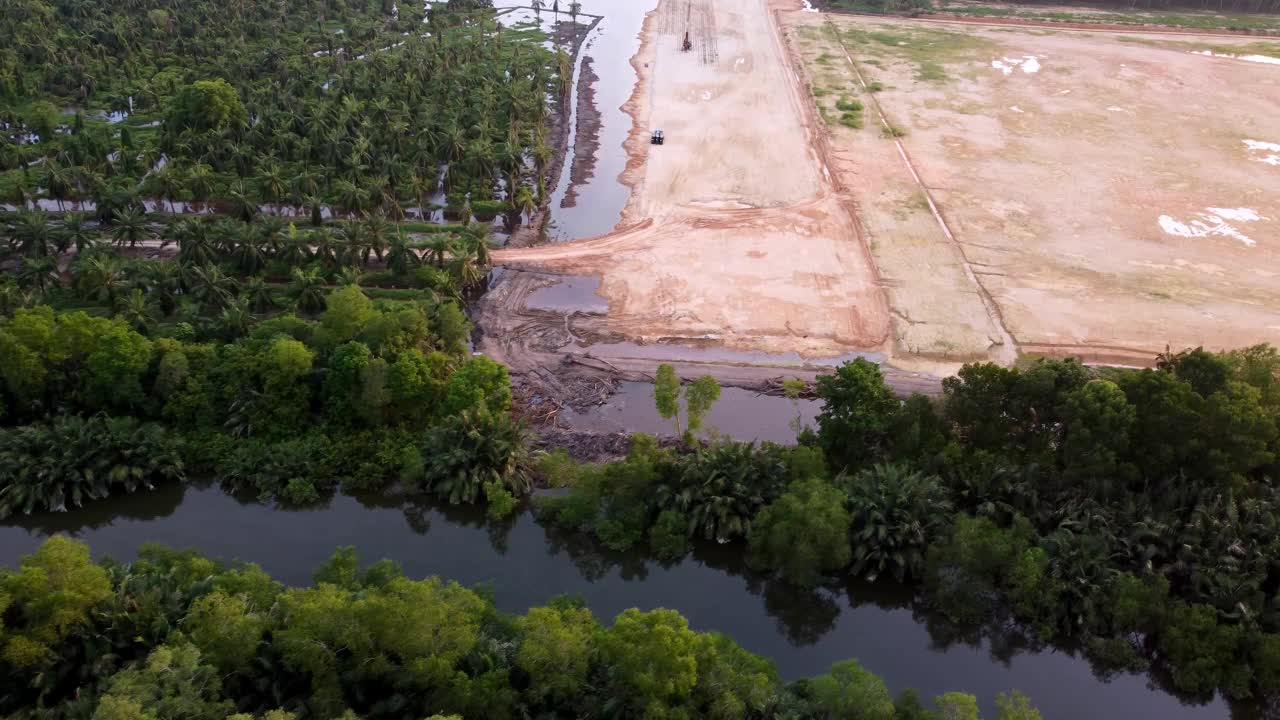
(669,536)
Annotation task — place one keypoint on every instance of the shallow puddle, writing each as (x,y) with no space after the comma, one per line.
(569,293)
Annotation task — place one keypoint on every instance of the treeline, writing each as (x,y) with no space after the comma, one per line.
(1131,511)
(289,410)
(175,636)
(892,6)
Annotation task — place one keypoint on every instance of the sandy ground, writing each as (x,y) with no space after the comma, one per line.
(1101,190)
(736,231)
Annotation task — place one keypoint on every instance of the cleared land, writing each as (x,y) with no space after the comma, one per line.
(936,191)
(1111,193)
(736,231)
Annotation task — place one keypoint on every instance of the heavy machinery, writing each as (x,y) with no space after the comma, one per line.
(656,138)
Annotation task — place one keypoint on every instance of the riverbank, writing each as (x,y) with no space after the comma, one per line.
(525,565)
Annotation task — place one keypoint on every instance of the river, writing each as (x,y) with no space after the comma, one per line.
(526,564)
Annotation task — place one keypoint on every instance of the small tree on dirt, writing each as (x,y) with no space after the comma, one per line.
(698,399)
(792,388)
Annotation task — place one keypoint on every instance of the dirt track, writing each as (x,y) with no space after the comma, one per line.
(736,231)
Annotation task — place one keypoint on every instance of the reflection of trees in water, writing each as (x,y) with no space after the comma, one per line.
(803,615)
(142,506)
(592,559)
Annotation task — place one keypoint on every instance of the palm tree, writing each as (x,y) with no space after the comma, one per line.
(235,320)
(32,235)
(438,245)
(323,247)
(293,249)
(242,208)
(195,244)
(76,234)
(468,273)
(200,181)
(211,286)
(162,281)
(307,290)
(139,311)
(39,274)
(401,257)
(58,181)
(101,276)
(170,183)
(258,294)
(376,230)
(129,226)
(271,183)
(352,246)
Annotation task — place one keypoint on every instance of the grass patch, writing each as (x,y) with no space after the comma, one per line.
(875,86)
(852,120)
(848,105)
(930,50)
(892,131)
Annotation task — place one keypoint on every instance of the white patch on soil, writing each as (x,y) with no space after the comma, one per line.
(1016,109)
(808,7)
(1027,64)
(1264,59)
(1263,152)
(1213,222)
(1113,108)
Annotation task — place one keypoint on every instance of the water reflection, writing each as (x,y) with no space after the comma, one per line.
(803,631)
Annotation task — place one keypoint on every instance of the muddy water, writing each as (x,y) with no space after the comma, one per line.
(569,293)
(600,200)
(802,632)
(739,414)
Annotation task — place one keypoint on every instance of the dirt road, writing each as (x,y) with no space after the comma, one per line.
(736,231)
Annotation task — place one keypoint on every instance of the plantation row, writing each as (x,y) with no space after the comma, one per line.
(362,106)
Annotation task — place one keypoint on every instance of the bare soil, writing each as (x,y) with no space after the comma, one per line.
(736,231)
(1055,180)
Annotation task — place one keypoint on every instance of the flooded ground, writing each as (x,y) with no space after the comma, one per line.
(598,202)
(739,414)
(569,293)
(802,632)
